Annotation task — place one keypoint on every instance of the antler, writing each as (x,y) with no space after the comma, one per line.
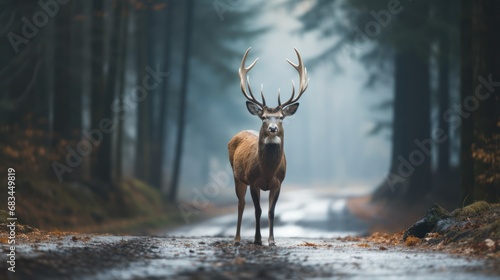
(304,81)
(245,82)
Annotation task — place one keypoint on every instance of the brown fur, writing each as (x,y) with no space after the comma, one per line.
(262,167)
(245,150)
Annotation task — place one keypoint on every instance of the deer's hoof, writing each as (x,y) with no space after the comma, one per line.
(257,242)
(272,244)
(237,243)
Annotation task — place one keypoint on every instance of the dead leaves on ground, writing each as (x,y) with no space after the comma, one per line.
(412,241)
(315,245)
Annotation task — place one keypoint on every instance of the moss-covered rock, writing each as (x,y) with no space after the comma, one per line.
(474,209)
(434,215)
(473,229)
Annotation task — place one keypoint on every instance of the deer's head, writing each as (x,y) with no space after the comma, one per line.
(271,131)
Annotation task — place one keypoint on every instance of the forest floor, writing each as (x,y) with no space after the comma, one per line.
(131,206)
(473,230)
(463,244)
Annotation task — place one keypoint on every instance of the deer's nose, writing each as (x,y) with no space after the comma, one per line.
(273,128)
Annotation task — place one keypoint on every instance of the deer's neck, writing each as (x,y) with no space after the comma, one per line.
(270,156)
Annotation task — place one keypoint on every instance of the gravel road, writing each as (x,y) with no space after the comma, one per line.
(308,246)
(126,257)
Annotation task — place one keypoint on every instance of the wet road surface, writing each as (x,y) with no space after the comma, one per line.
(112,257)
(313,215)
(307,247)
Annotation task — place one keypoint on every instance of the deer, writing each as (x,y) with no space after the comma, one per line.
(258,159)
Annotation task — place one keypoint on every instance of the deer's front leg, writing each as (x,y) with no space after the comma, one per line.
(273,198)
(241,190)
(258,211)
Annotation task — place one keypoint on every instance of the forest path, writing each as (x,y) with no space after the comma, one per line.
(299,213)
(114,257)
(205,250)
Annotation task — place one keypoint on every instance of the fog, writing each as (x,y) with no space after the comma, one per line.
(123,109)
(327,142)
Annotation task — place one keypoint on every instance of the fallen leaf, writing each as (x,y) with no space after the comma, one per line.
(490,243)
(412,241)
(468,251)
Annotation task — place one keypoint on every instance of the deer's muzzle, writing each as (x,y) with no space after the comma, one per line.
(273,128)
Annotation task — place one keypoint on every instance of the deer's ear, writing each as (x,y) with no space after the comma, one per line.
(254,109)
(290,110)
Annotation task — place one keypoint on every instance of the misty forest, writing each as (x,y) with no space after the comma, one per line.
(116,114)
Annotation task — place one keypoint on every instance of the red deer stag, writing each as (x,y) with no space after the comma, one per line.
(258,159)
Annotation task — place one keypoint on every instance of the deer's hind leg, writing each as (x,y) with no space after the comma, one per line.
(241,190)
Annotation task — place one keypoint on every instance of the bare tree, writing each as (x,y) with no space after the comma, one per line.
(181,123)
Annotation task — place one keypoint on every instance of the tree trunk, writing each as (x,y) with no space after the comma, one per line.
(466,77)
(181,123)
(483,102)
(143,137)
(411,123)
(19,71)
(85,81)
(158,154)
(98,85)
(409,178)
(105,162)
(76,68)
(63,98)
(122,64)
(443,161)
(153,54)
(47,78)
